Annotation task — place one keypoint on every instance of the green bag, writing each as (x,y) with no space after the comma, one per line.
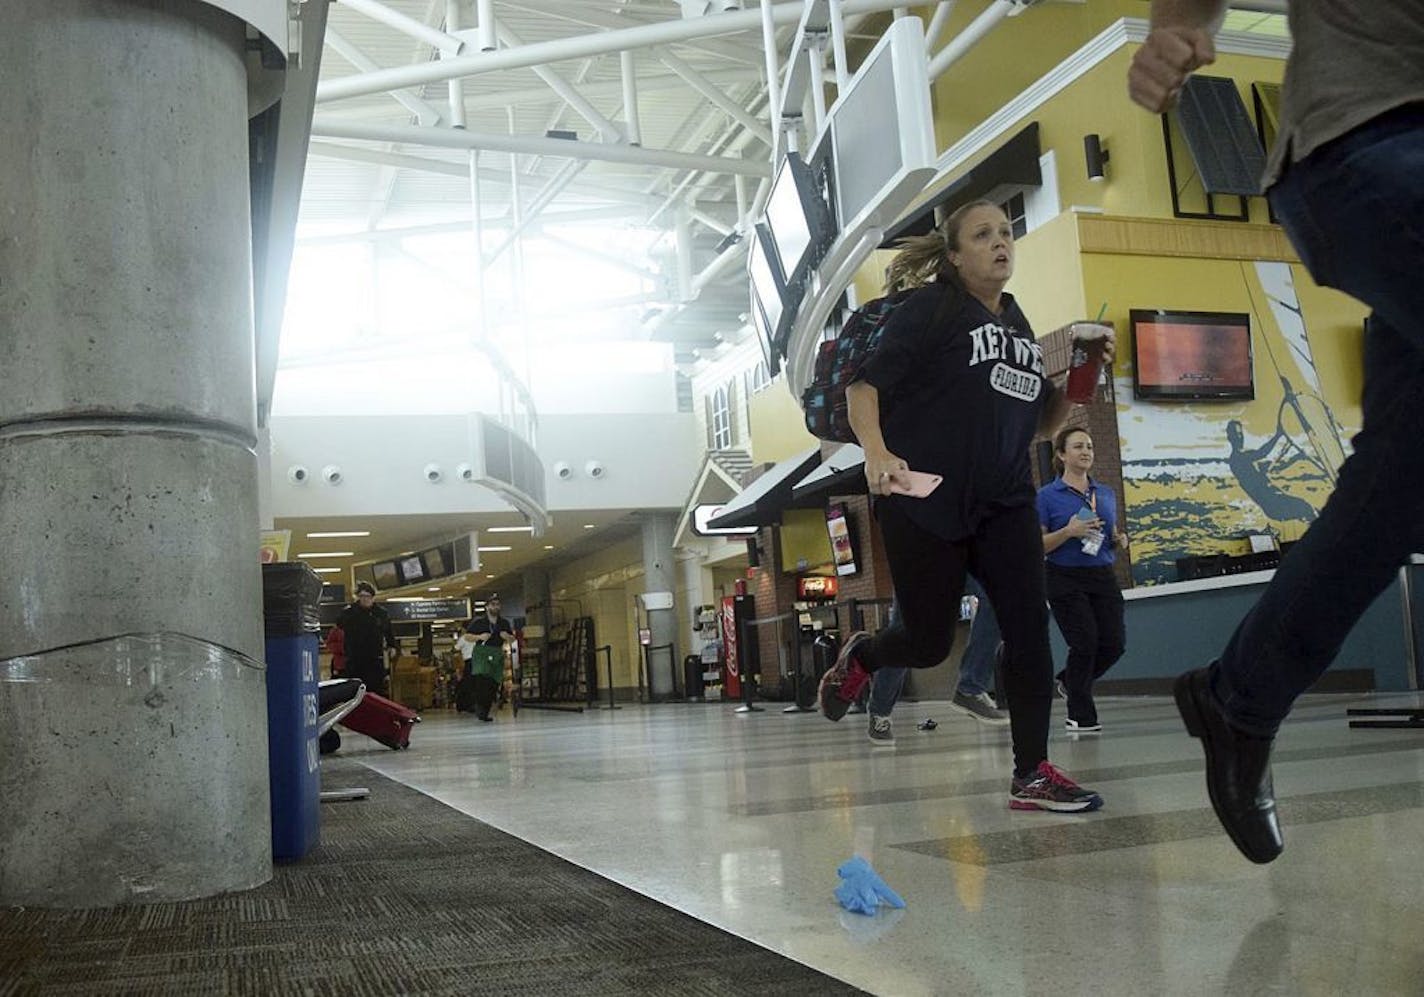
(488,661)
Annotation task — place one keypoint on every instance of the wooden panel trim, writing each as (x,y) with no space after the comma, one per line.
(1183,238)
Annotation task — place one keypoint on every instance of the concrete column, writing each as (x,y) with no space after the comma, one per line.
(133,752)
(660,575)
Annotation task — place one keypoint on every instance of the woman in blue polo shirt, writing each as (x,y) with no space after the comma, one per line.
(1080,534)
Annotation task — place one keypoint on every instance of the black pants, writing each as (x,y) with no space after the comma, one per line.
(1006,555)
(371,671)
(1088,607)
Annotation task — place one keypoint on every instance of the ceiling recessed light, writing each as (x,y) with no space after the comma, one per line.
(334,553)
(548,546)
(588,526)
(433,588)
(326,571)
(509,529)
(491,577)
(339,533)
(492,550)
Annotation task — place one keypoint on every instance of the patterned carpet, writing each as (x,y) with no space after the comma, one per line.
(404,896)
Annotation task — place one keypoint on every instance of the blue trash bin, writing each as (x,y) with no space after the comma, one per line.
(290,596)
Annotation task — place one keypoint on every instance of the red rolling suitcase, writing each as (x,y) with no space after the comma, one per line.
(383,719)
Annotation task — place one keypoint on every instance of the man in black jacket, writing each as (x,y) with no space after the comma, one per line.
(368,633)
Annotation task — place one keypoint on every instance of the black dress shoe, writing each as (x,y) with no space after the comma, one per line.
(1238,771)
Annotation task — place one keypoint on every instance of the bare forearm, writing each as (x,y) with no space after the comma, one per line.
(863,410)
(1052,541)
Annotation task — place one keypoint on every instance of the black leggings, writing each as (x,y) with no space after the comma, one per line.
(1006,555)
(1087,604)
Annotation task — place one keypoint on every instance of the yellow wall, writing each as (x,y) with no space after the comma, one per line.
(1048,275)
(604,585)
(778,430)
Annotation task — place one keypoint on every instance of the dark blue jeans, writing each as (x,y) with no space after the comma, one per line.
(1354,210)
(976,667)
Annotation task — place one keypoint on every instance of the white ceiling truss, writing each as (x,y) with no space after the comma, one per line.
(655,113)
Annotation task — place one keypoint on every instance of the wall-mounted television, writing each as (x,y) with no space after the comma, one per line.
(842,544)
(1181,355)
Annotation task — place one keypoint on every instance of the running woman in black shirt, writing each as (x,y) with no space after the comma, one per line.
(957,388)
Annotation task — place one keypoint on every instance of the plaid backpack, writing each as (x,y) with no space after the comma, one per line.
(838,361)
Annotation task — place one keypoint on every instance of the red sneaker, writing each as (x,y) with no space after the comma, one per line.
(1049,789)
(843,681)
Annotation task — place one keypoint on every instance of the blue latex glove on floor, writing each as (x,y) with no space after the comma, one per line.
(862,890)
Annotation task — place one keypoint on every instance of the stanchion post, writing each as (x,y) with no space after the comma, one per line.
(607,649)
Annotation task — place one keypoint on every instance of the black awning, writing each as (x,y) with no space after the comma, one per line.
(842,473)
(762,502)
(1013,164)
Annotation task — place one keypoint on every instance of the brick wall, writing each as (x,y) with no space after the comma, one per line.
(1100,420)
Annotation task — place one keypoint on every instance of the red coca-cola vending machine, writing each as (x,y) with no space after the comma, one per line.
(739,647)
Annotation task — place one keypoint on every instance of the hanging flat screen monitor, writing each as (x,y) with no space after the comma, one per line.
(1191,355)
(385,575)
(412,569)
(798,219)
(766,291)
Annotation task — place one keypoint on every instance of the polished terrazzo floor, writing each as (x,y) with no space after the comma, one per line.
(741,820)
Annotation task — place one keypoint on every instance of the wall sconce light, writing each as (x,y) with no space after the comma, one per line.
(1096,156)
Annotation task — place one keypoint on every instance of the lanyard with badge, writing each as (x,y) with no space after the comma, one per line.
(1092,541)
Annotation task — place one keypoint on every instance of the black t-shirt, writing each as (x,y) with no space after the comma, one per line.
(961,393)
(482,627)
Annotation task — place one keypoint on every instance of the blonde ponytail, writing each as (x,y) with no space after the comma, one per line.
(923,259)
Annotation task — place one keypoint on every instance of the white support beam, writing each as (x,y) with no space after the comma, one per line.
(597,89)
(606,129)
(542,200)
(961,43)
(537,146)
(715,96)
(838,45)
(773,73)
(574,216)
(938,23)
(628,73)
(715,224)
(486,21)
(426,114)
(407,25)
(598,254)
(454,88)
(596,43)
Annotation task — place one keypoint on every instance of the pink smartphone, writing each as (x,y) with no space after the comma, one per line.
(921,484)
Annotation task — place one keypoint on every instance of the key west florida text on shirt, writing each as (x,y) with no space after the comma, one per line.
(961,393)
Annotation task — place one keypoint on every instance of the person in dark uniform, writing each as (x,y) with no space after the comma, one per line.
(489,630)
(367,631)
(957,387)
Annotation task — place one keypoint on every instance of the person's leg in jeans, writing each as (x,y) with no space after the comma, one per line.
(1354,210)
(1073,612)
(885,688)
(976,668)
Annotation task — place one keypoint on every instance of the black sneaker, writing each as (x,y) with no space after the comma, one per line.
(1074,727)
(881,734)
(843,681)
(1049,789)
